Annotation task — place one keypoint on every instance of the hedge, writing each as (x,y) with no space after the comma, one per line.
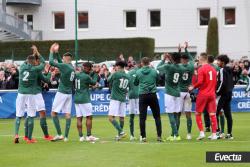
(213,37)
(89,49)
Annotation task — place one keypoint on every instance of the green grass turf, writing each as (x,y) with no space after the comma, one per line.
(108,152)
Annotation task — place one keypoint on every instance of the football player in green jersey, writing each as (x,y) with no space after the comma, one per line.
(82,101)
(173,72)
(63,98)
(186,80)
(119,82)
(28,76)
(40,105)
(133,101)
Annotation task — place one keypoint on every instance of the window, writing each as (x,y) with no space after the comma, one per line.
(204,17)
(30,21)
(130,19)
(155,18)
(229,16)
(83,20)
(59,20)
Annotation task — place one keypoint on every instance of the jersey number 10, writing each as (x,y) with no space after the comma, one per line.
(123,83)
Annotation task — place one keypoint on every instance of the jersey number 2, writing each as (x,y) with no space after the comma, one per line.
(26,75)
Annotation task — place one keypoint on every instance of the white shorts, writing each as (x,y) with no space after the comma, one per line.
(172,104)
(83,110)
(25,103)
(40,105)
(133,106)
(117,108)
(185,102)
(62,103)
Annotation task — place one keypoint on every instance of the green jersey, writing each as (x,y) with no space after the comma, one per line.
(41,77)
(94,76)
(146,78)
(67,73)
(173,74)
(28,76)
(188,71)
(119,82)
(217,68)
(133,90)
(82,83)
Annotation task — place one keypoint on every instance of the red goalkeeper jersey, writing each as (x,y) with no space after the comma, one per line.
(207,79)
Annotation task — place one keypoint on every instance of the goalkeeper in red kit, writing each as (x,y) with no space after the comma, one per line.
(206,98)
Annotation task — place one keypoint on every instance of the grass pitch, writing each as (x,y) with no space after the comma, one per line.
(108,152)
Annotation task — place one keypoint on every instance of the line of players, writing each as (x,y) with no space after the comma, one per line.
(140,84)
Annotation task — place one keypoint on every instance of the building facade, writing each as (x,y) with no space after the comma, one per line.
(169,22)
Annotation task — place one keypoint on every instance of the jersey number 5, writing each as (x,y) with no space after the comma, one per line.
(123,83)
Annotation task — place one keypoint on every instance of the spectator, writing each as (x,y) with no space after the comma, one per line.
(236,73)
(244,78)
(131,62)
(12,76)
(55,76)
(3,81)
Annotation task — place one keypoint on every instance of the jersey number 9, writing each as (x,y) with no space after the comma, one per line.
(176,77)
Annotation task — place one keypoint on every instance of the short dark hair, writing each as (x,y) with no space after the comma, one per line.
(210,59)
(204,55)
(121,64)
(31,59)
(176,57)
(145,60)
(184,56)
(87,64)
(68,54)
(223,58)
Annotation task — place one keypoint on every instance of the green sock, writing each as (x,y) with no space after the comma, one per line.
(26,127)
(222,123)
(122,123)
(67,127)
(57,125)
(189,124)
(117,126)
(17,125)
(44,126)
(80,134)
(173,124)
(30,127)
(131,124)
(177,119)
(88,132)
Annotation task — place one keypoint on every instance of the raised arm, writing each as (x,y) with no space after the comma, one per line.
(54,55)
(191,59)
(45,78)
(41,66)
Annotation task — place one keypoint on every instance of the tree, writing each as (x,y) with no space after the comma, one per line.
(213,37)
